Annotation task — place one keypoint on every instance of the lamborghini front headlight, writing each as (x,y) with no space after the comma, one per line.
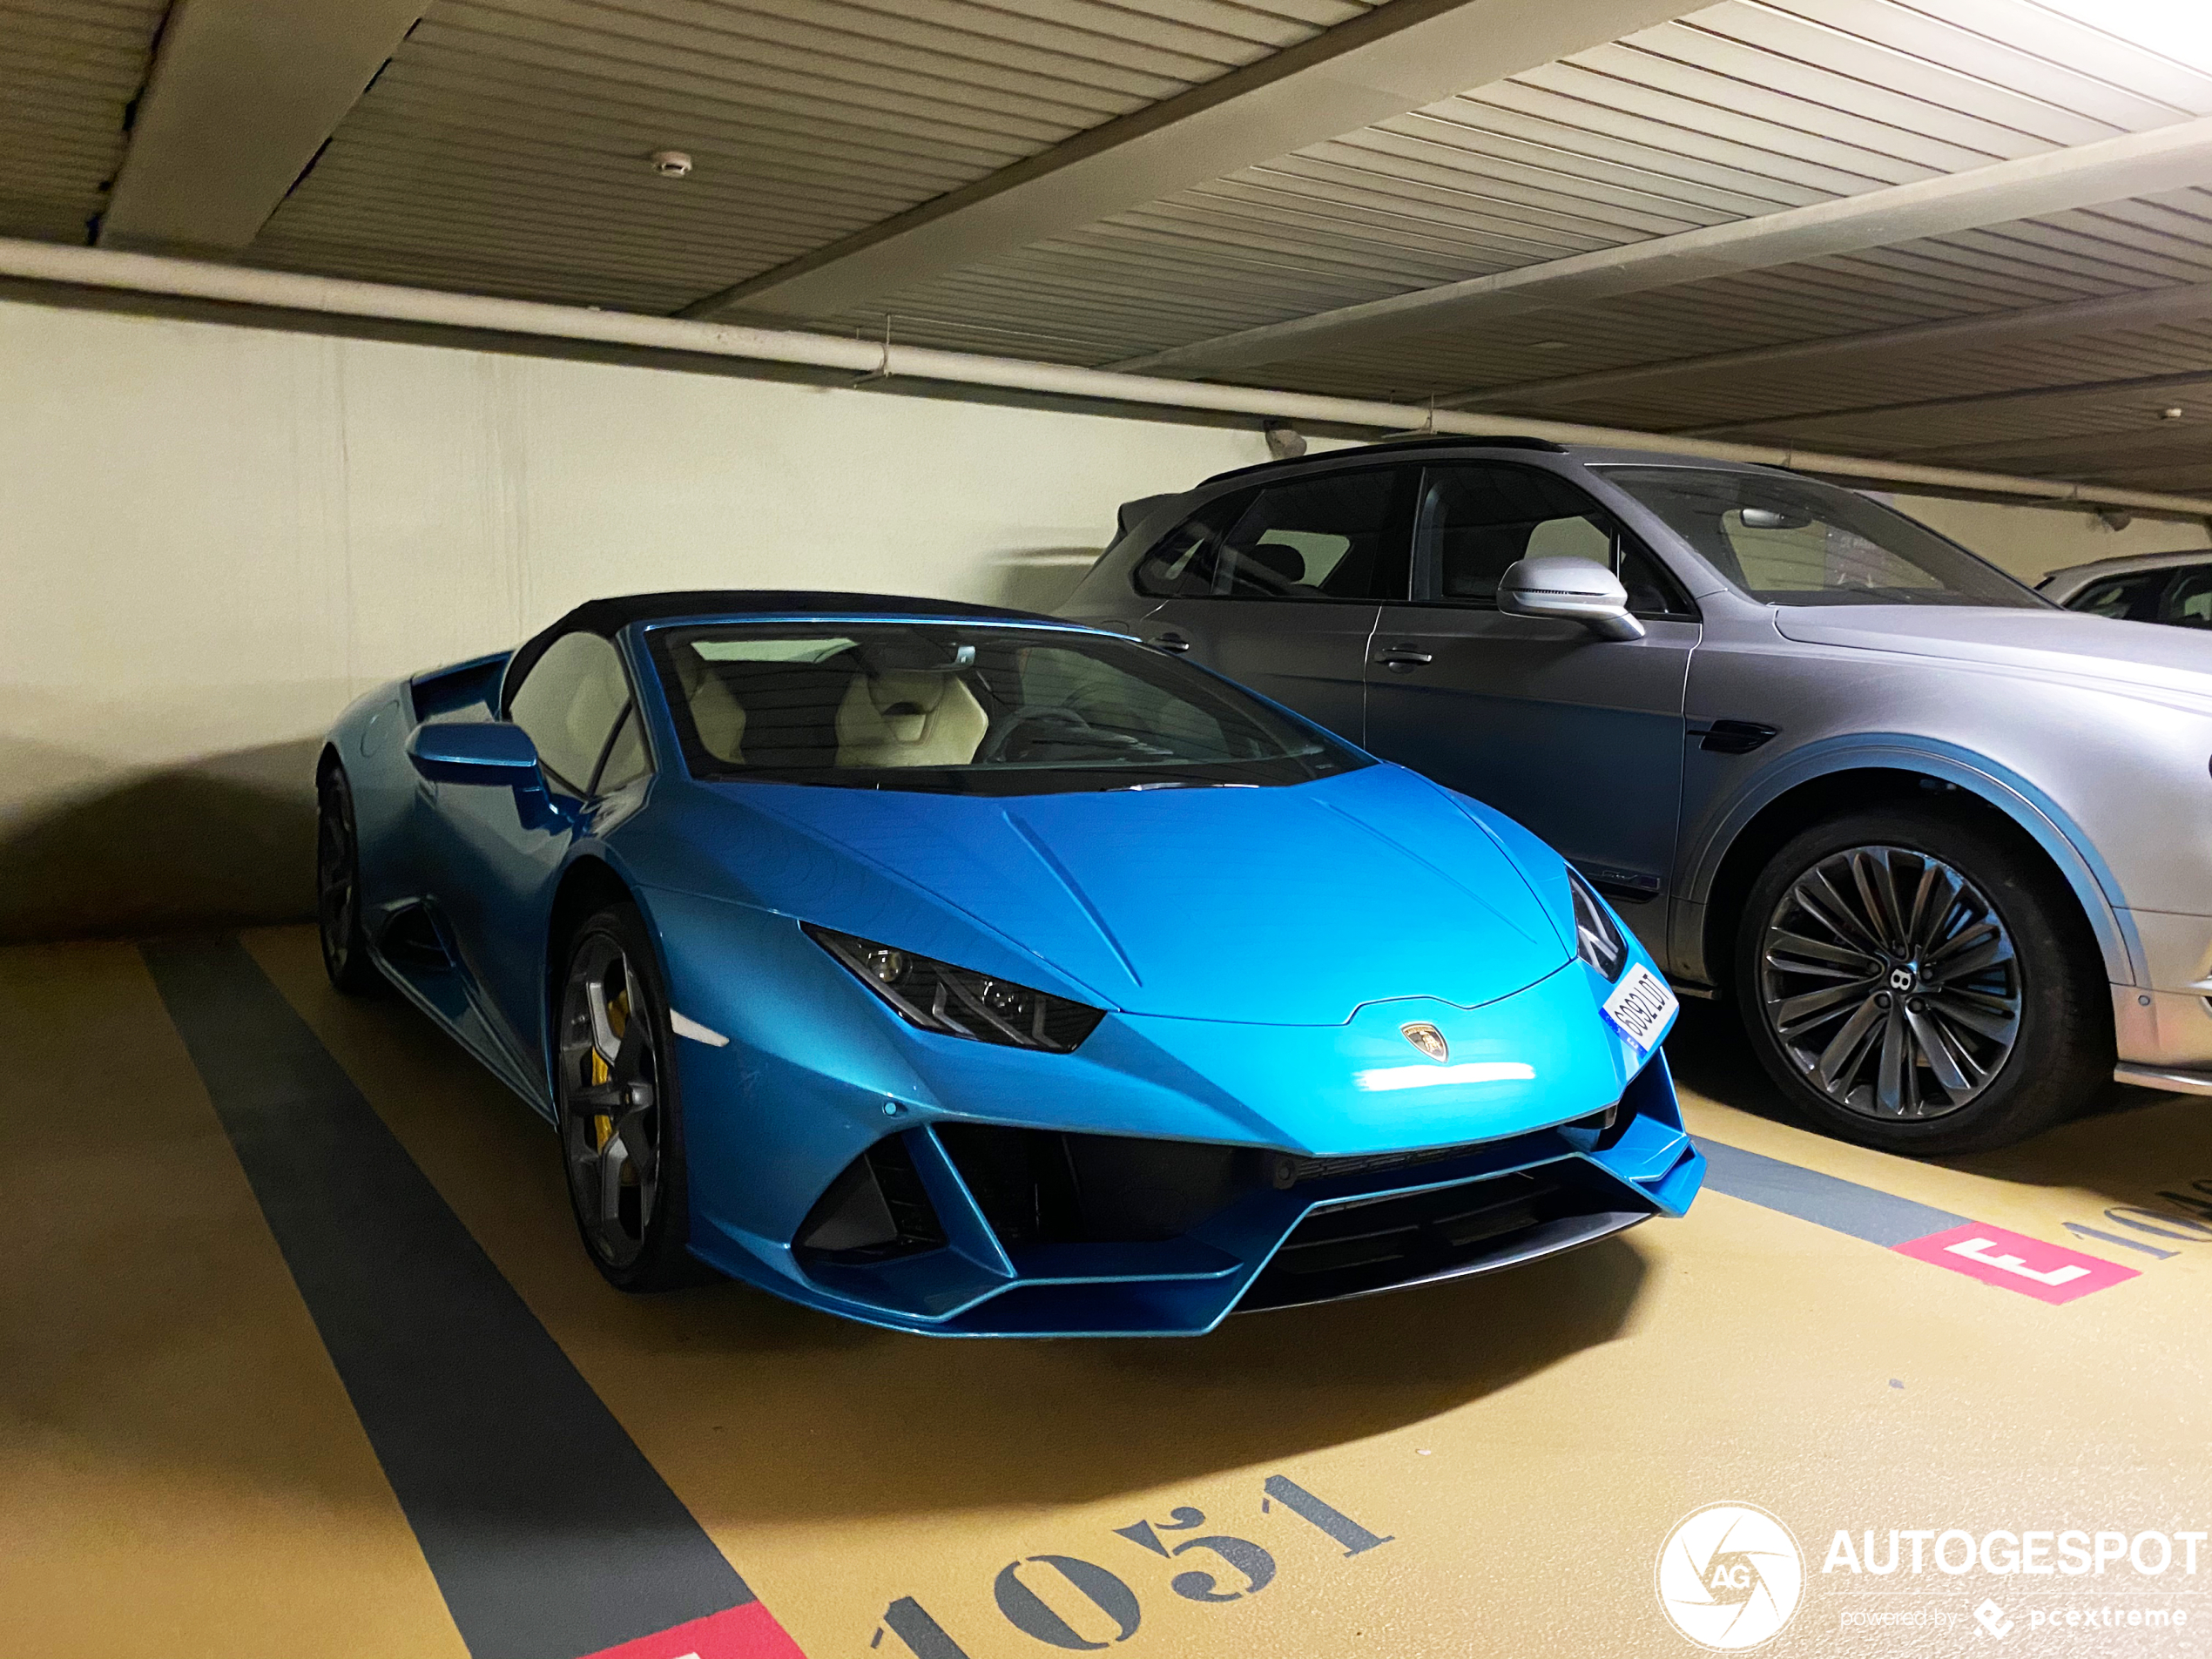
(958,1002)
(1597,936)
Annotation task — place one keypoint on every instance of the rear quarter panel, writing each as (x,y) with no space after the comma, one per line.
(370,742)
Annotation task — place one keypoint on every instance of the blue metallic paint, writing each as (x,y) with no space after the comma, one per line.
(1246,994)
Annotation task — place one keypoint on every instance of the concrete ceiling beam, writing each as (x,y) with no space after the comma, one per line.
(1400,56)
(242,96)
(2178,157)
(2168,444)
(2190,302)
(2148,386)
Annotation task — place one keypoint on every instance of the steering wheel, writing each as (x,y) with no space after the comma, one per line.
(1058,725)
(1053,725)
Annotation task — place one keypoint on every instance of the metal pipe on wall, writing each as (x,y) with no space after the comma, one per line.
(880,359)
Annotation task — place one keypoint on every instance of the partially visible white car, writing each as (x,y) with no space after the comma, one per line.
(2173,588)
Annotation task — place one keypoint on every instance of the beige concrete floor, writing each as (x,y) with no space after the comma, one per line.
(181,1473)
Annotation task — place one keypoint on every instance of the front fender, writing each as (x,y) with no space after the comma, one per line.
(2069,846)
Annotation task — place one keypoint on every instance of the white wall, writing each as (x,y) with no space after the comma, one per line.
(212,538)
(2031,542)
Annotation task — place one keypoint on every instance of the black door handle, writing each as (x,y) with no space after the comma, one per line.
(1168,642)
(1405,658)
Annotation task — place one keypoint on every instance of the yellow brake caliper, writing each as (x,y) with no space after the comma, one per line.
(603,1126)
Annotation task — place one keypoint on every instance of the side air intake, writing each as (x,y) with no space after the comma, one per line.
(877,1211)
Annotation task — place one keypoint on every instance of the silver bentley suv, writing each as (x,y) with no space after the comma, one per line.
(1946,847)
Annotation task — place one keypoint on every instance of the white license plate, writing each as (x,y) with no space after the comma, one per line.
(1641,1005)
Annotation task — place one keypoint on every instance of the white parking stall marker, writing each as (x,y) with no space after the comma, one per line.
(1976,1249)
(2032,1267)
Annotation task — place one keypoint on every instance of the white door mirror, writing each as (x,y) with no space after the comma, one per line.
(1570,591)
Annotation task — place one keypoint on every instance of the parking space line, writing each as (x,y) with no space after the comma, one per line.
(549,1533)
(2010,1261)
(1824,1200)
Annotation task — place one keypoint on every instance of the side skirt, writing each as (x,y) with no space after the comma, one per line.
(442,996)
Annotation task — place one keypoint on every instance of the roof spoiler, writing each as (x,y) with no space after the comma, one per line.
(1133,513)
(1402,442)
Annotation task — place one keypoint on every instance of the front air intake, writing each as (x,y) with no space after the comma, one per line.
(1361,1246)
(877,1211)
(1041,1186)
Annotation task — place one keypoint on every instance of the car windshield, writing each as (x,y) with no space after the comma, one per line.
(1792,541)
(962,708)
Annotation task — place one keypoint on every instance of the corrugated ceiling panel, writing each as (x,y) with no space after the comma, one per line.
(2120,248)
(503,151)
(1937,431)
(2169,443)
(68,69)
(504,147)
(1741,109)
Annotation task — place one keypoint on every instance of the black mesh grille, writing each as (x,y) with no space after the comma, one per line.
(1371,1244)
(1288,1170)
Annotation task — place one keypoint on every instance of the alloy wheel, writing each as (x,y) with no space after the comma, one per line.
(337,889)
(1891,983)
(610,1100)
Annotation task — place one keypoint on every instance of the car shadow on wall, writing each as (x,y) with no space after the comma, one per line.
(228,840)
(225,840)
(2132,1146)
(1039,578)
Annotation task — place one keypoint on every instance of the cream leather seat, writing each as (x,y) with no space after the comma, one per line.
(719,720)
(909,718)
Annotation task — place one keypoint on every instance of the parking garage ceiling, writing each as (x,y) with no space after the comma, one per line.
(1971,232)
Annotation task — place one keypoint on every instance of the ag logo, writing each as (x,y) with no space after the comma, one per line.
(1729,1576)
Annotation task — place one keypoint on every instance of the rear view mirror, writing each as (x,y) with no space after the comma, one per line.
(475,752)
(1569,590)
(1772,518)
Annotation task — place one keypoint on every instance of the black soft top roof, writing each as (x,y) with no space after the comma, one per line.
(609,617)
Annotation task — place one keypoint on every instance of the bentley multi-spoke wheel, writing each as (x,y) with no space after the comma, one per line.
(1892,981)
(619,1134)
(1921,983)
(338,905)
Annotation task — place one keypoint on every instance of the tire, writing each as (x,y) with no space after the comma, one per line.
(1915,982)
(617,1107)
(338,887)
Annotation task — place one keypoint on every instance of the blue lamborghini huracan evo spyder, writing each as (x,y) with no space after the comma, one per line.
(967,972)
